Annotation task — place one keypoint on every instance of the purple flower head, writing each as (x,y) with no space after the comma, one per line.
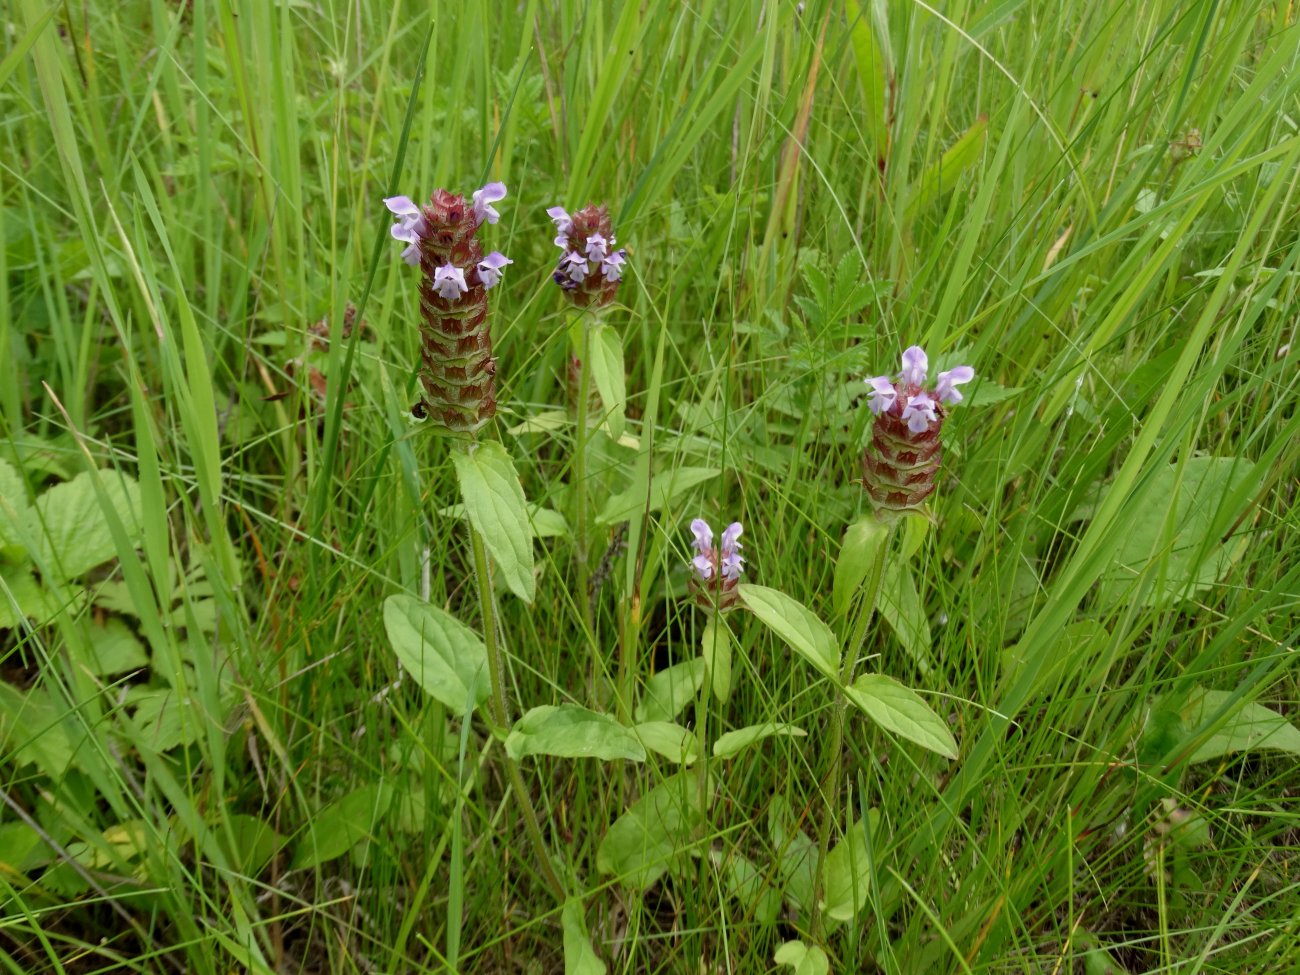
(883,394)
(612,266)
(490,268)
(946,388)
(563,224)
(483,200)
(915,365)
(919,413)
(721,566)
(449,282)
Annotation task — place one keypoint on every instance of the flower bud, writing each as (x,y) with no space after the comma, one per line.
(715,572)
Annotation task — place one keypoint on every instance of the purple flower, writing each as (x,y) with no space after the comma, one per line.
(612,266)
(449,282)
(490,268)
(915,365)
(709,562)
(597,247)
(409,227)
(563,224)
(946,390)
(483,200)
(733,563)
(577,268)
(883,394)
(919,412)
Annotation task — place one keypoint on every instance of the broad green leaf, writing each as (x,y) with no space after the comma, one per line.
(670,690)
(943,173)
(74,536)
(901,607)
(442,654)
(899,710)
(113,649)
(21,848)
(663,488)
(862,544)
(570,731)
(848,870)
(1248,726)
(655,832)
(22,597)
(490,489)
(17,519)
(748,884)
(1190,556)
(579,958)
(342,825)
(605,352)
(804,959)
(797,625)
(672,741)
(734,742)
(165,719)
(716,649)
(545,522)
(33,729)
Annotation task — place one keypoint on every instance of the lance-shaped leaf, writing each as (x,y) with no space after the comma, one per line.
(670,690)
(942,175)
(570,731)
(797,625)
(898,709)
(605,351)
(655,833)
(442,654)
(734,742)
(495,502)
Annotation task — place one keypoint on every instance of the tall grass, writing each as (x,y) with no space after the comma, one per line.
(1095,204)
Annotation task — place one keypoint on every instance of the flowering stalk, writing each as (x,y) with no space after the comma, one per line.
(588,272)
(458,371)
(901,470)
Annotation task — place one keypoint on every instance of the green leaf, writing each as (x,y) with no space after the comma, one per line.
(19,588)
(662,489)
(570,731)
(901,607)
(342,825)
(495,501)
(672,741)
(1248,726)
(605,352)
(796,854)
(869,34)
(113,649)
(579,958)
(165,719)
(442,654)
(716,648)
(1187,557)
(899,710)
(17,518)
(76,536)
(32,729)
(655,832)
(748,884)
(804,959)
(848,870)
(670,690)
(916,526)
(734,742)
(942,175)
(545,522)
(858,553)
(255,842)
(797,625)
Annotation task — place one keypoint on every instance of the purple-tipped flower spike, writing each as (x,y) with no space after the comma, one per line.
(902,465)
(483,200)
(716,570)
(458,371)
(587,239)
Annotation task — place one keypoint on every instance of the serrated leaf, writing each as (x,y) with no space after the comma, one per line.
(605,351)
(1189,556)
(800,628)
(570,731)
(848,871)
(342,825)
(671,740)
(900,605)
(22,597)
(858,552)
(443,655)
(898,709)
(1248,726)
(579,958)
(670,690)
(113,649)
(655,833)
(664,487)
(32,729)
(494,498)
(165,718)
(734,742)
(716,646)
(74,536)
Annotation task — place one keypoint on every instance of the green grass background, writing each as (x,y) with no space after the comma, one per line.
(188,188)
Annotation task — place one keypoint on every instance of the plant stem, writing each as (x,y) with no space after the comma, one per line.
(501,711)
(866,611)
(580,501)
